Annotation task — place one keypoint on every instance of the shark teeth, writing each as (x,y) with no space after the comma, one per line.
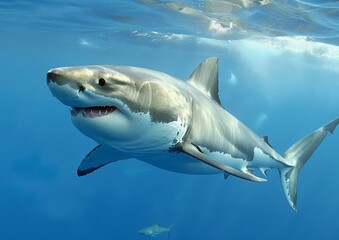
(92,112)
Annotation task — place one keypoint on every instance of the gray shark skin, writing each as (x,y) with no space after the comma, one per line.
(174,125)
(155,230)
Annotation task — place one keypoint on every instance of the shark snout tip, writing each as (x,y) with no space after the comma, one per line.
(52,75)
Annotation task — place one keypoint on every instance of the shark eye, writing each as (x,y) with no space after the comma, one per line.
(102,82)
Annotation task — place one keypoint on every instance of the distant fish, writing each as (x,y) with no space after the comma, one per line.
(155,230)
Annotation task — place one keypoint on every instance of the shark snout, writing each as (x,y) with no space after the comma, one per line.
(60,77)
(63,87)
(52,76)
(55,75)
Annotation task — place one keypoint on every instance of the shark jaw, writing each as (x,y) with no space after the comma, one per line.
(92,112)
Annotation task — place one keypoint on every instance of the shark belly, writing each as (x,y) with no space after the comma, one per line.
(137,135)
(178,162)
(183,163)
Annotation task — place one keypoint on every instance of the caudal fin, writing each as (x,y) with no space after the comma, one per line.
(297,155)
(169,229)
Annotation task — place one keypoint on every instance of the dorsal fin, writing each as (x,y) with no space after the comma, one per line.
(205,78)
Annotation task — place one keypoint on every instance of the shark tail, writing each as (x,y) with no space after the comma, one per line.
(297,155)
(170,228)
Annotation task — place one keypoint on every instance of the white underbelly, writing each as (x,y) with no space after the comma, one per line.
(136,134)
(183,163)
(179,162)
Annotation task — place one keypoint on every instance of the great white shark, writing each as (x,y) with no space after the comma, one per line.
(172,124)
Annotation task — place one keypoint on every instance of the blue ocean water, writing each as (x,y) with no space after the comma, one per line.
(279,74)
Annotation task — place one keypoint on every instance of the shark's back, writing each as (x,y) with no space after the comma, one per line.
(222,131)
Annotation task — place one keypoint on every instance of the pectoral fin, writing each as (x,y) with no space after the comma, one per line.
(195,152)
(99,157)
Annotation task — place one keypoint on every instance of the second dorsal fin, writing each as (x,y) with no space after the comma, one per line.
(205,78)
(265,138)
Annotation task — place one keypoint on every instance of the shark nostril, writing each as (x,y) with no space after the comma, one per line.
(81,88)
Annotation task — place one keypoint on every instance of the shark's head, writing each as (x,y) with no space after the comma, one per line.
(127,108)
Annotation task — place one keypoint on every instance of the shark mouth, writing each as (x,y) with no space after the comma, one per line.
(92,112)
